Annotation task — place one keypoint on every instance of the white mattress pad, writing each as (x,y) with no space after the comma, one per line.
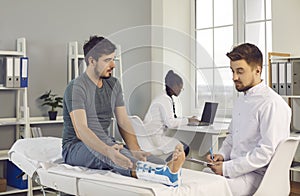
(44,153)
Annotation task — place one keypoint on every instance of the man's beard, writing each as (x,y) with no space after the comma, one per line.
(105,77)
(243,89)
(100,76)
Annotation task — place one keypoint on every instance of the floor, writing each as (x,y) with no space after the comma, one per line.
(39,193)
(295,189)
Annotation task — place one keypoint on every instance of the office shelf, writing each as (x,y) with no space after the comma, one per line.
(12,121)
(76,63)
(291,96)
(21,119)
(286,58)
(12,190)
(11,88)
(21,49)
(3,154)
(45,120)
(11,53)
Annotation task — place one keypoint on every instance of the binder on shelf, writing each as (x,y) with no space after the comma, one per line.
(9,72)
(24,72)
(2,72)
(293,78)
(275,80)
(17,72)
(288,78)
(282,78)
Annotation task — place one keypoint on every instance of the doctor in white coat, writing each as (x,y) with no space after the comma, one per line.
(161,114)
(260,120)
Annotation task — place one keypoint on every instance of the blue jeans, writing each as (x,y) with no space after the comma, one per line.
(78,154)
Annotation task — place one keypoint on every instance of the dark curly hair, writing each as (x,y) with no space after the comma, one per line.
(97,46)
(171,80)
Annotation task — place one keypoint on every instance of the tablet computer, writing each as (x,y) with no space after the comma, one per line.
(199,161)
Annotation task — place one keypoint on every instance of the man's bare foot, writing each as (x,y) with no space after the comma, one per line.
(178,159)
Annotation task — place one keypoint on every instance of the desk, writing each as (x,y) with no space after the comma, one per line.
(193,135)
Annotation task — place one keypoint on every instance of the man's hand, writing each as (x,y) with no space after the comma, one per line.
(217,157)
(193,119)
(218,163)
(140,155)
(217,168)
(114,154)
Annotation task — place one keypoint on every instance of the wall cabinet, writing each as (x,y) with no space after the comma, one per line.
(284,78)
(18,123)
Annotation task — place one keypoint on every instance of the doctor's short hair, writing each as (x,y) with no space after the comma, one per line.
(172,79)
(248,52)
(97,46)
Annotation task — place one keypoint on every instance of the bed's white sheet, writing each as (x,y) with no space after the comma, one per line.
(43,155)
(38,152)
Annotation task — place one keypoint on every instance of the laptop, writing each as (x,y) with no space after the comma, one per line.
(208,115)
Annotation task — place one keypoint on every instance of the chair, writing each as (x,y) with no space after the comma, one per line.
(144,138)
(276,181)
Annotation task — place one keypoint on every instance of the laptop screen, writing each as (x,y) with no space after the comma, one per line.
(209,112)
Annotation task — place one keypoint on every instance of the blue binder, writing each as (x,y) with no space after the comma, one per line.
(24,72)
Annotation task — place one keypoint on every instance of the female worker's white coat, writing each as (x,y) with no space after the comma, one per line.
(160,116)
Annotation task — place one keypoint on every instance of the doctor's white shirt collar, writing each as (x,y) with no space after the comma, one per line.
(254,89)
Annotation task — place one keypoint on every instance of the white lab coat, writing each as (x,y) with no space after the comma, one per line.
(160,116)
(260,120)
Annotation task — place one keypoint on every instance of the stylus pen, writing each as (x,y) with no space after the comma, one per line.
(211,153)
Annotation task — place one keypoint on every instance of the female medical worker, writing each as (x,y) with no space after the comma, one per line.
(161,114)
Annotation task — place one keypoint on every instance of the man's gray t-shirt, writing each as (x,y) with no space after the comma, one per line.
(99,104)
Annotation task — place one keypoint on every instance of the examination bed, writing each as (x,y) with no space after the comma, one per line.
(40,158)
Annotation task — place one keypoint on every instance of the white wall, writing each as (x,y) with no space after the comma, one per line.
(171,40)
(286,29)
(49,25)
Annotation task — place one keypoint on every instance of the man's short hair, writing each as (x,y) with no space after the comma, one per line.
(96,47)
(248,52)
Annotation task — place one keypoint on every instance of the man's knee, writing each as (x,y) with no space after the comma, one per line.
(156,160)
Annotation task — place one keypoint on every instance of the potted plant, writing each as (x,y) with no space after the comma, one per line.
(52,100)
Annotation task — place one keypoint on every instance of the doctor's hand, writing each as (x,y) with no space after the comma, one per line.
(217,168)
(217,157)
(140,155)
(113,152)
(193,119)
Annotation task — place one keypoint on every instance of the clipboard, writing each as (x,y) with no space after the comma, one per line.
(199,161)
